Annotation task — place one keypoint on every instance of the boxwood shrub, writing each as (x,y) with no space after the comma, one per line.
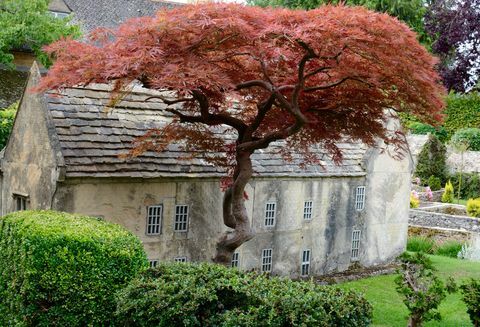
(58,269)
(181,294)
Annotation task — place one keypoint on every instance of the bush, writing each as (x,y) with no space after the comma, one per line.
(471,297)
(424,129)
(470,137)
(462,111)
(58,269)
(431,160)
(414,201)
(420,244)
(470,187)
(210,295)
(473,208)
(447,196)
(435,183)
(449,249)
(7,117)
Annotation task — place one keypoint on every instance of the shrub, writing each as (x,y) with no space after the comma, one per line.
(470,137)
(447,196)
(422,290)
(420,244)
(424,129)
(431,160)
(211,295)
(414,201)
(58,269)
(473,208)
(435,183)
(462,111)
(449,249)
(471,297)
(7,117)
(470,187)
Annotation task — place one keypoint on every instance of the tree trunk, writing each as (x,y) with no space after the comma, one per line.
(414,321)
(234,212)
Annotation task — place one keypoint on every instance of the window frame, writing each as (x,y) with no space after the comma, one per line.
(235,262)
(20,202)
(307,210)
(182,215)
(267,260)
(306,263)
(270,221)
(181,259)
(153,263)
(154,228)
(355,245)
(360,198)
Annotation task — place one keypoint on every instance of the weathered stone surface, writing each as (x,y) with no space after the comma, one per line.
(434,219)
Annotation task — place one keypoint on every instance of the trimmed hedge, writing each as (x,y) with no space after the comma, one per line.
(58,269)
(181,294)
(424,129)
(462,111)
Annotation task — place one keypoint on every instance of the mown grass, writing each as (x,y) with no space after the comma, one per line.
(389,310)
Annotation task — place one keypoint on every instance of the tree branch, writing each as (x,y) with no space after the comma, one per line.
(169,102)
(337,83)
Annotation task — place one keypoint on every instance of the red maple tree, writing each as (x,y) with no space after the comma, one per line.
(306,77)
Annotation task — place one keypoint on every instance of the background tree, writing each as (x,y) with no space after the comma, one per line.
(27,24)
(455,27)
(432,160)
(307,77)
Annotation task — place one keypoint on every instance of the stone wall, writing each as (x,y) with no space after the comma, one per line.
(471,161)
(441,220)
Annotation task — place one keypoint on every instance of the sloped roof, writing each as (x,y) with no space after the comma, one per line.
(92,139)
(91,14)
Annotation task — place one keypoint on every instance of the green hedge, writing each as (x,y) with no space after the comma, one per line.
(7,117)
(424,129)
(470,137)
(212,295)
(462,111)
(58,269)
(470,187)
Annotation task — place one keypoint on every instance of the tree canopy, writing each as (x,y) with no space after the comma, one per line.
(27,24)
(307,77)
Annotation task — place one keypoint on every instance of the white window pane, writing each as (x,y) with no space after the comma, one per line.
(355,244)
(266,260)
(181,218)
(235,259)
(307,210)
(180,259)
(270,212)
(154,220)
(360,198)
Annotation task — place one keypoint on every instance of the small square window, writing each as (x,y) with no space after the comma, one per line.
(355,244)
(154,220)
(180,259)
(181,218)
(153,263)
(235,259)
(20,202)
(307,210)
(360,198)
(305,263)
(267,260)
(270,212)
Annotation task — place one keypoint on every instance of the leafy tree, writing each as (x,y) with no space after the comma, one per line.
(423,291)
(431,160)
(305,78)
(455,27)
(7,117)
(471,297)
(410,12)
(28,24)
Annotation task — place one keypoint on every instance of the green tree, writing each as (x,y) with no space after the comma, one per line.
(27,24)
(7,117)
(431,160)
(410,12)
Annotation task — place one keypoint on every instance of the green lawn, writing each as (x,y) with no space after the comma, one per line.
(388,308)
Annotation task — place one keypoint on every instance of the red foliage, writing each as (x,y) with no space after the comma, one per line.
(315,76)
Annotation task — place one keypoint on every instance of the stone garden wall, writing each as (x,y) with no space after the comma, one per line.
(419,217)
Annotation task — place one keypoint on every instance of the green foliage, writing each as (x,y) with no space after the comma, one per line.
(28,24)
(435,183)
(471,297)
(473,208)
(469,137)
(212,295)
(409,11)
(421,289)
(470,187)
(7,117)
(424,129)
(58,269)
(447,196)
(462,111)
(420,244)
(449,249)
(431,160)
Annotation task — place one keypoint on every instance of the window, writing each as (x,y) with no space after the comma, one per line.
(360,198)
(305,262)
(180,259)
(181,218)
(153,263)
(355,244)
(266,260)
(20,202)
(235,259)
(154,220)
(307,210)
(270,214)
